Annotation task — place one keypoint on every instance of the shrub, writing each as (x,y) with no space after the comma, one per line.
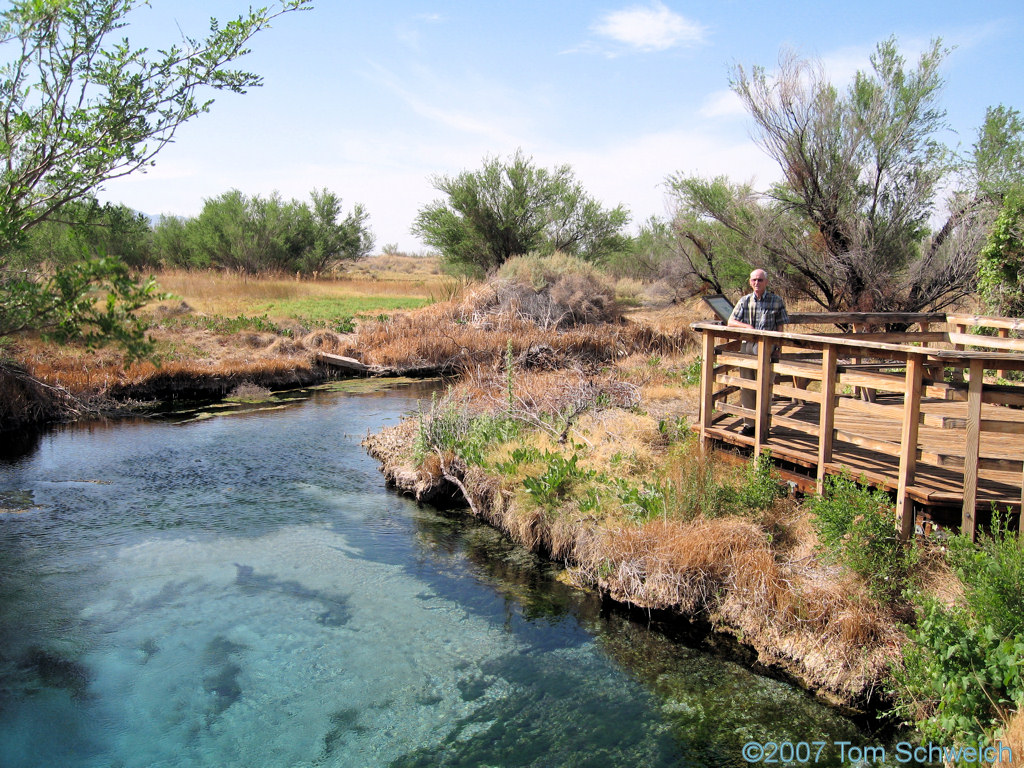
(961,674)
(644,501)
(449,428)
(761,484)
(856,527)
(540,272)
(1001,261)
(558,478)
(557,291)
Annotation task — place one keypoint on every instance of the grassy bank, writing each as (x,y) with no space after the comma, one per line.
(217,331)
(576,466)
(585,469)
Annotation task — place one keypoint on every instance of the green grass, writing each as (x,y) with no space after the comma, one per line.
(222,324)
(330,311)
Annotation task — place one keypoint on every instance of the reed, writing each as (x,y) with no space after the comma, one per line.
(472,331)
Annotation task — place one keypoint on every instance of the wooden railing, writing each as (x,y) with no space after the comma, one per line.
(894,383)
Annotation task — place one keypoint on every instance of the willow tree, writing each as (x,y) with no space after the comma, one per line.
(510,208)
(80,106)
(850,224)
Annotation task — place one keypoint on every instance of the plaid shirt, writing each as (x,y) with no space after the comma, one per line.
(766,314)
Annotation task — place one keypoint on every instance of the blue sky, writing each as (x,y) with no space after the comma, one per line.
(371,99)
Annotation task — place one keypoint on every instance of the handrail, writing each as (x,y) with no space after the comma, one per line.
(1005,360)
(1009,323)
(919,377)
(799,318)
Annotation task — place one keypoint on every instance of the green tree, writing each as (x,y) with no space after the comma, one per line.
(172,246)
(1001,261)
(248,234)
(863,175)
(87,228)
(335,237)
(996,164)
(998,174)
(645,254)
(78,109)
(513,208)
(712,231)
(266,234)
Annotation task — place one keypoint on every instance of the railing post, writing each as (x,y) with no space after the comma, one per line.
(908,444)
(707,385)
(961,328)
(1004,333)
(763,404)
(973,452)
(827,412)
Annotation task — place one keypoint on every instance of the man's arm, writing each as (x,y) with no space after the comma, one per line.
(738,312)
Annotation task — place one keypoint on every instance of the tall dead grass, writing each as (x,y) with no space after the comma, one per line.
(1013,737)
(800,619)
(475,329)
(188,355)
(662,564)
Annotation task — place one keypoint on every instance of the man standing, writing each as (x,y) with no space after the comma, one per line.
(760,311)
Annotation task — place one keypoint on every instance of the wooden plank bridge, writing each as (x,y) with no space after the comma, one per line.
(926,413)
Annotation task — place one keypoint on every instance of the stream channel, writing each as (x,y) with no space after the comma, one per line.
(242,590)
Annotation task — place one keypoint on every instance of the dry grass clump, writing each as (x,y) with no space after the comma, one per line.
(619,440)
(725,568)
(247,390)
(556,291)
(664,563)
(475,329)
(322,339)
(1013,737)
(189,354)
(570,301)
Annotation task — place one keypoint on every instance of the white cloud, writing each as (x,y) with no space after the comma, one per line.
(723,103)
(649,28)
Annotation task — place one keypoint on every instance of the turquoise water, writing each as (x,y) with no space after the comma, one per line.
(243,591)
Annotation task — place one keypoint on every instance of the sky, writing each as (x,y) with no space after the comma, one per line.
(375,99)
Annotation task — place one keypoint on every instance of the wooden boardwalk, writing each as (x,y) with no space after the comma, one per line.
(913,412)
